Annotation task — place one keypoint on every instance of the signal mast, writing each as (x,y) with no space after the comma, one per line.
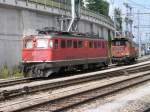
(75,10)
(70,24)
(128,21)
(127,32)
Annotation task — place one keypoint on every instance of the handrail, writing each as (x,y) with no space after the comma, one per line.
(55,4)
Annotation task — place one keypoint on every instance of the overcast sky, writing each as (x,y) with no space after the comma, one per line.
(143,6)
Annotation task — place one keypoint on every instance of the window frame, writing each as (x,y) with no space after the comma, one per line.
(25,43)
(69,43)
(61,45)
(80,43)
(103,44)
(48,43)
(75,41)
(91,44)
(99,44)
(54,44)
(95,44)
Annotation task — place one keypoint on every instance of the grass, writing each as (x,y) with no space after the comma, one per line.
(16,72)
(5,73)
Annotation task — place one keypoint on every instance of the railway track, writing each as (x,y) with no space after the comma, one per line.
(11,82)
(147,110)
(68,97)
(49,87)
(33,87)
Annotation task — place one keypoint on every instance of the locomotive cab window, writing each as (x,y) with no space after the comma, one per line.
(28,44)
(118,43)
(80,44)
(42,43)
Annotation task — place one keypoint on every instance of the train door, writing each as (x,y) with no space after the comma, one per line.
(56,49)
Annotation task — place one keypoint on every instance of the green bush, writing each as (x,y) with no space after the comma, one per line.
(16,72)
(5,73)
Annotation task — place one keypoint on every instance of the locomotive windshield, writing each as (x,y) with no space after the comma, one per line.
(28,44)
(119,43)
(42,43)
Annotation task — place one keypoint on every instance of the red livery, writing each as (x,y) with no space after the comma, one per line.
(124,50)
(51,52)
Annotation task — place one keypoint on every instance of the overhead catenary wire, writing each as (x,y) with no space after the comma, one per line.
(137,4)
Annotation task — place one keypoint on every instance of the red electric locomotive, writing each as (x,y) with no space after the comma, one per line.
(124,51)
(53,51)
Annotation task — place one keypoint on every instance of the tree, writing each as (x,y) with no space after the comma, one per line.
(100,6)
(82,3)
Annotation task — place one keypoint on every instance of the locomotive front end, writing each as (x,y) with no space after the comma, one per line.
(36,53)
(35,49)
(120,51)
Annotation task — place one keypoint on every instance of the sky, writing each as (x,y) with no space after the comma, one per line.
(143,6)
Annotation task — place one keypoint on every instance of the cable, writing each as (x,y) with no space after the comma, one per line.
(137,4)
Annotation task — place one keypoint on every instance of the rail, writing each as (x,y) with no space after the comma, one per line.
(67,98)
(33,87)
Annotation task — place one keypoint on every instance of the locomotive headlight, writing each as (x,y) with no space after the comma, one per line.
(127,54)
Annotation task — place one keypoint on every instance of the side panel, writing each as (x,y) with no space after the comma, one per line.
(79,53)
(36,55)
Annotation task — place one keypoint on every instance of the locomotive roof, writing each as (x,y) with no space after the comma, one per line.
(65,35)
(122,39)
(125,39)
(50,32)
(72,34)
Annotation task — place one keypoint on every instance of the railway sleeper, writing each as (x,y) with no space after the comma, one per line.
(7,94)
(4,94)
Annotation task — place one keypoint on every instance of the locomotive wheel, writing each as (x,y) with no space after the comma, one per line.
(40,73)
(48,73)
(105,64)
(133,60)
(91,67)
(37,73)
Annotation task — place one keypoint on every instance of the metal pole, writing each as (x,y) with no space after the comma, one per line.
(138,33)
(114,18)
(131,22)
(73,14)
(45,3)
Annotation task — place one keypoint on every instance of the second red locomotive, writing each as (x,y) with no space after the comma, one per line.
(124,51)
(53,51)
